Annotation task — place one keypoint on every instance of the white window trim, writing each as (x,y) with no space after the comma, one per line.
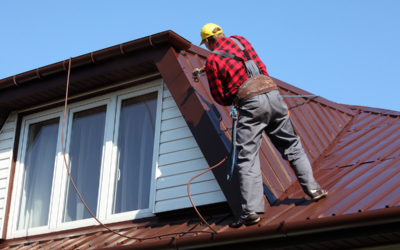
(108,163)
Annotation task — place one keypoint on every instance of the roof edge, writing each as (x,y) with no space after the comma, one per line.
(199,51)
(283,229)
(152,41)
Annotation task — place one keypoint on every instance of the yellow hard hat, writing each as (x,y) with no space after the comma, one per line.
(208,30)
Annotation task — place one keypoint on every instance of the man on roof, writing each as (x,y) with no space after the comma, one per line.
(238,77)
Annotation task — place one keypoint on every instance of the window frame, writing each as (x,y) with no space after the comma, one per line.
(74,108)
(144,212)
(20,172)
(108,166)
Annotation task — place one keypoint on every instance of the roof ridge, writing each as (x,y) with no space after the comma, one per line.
(320,99)
(373,110)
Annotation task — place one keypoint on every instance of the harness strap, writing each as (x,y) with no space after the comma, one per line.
(251,67)
(246,54)
(234,115)
(224,54)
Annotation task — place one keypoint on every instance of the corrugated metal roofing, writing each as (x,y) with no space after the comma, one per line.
(355,152)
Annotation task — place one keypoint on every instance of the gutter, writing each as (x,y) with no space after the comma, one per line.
(274,231)
(156,40)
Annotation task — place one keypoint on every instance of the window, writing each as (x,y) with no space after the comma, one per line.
(111,147)
(135,147)
(38,172)
(85,151)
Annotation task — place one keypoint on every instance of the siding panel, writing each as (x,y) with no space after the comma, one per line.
(171,113)
(168,102)
(183,155)
(3,182)
(179,160)
(174,123)
(6,143)
(175,134)
(178,145)
(4,163)
(181,191)
(184,202)
(188,166)
(182,179)
(5,154)
(7,135)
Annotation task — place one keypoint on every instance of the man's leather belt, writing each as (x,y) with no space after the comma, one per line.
(256,85)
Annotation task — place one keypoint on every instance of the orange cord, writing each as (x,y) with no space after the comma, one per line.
(94,216)
(190,197)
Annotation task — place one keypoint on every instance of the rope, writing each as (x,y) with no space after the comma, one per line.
(90,211)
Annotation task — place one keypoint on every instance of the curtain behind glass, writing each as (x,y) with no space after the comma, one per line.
(85,152)
(135,153)
(38,175)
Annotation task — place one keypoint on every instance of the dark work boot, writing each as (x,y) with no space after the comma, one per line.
(247,220)
(318,194)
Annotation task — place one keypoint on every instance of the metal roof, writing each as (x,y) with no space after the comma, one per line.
(355,153)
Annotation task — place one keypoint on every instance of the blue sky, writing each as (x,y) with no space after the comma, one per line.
(347,51)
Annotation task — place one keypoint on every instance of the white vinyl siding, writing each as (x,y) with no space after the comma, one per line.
(179,160)
(7,135)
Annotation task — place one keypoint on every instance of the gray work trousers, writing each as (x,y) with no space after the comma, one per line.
(267,112)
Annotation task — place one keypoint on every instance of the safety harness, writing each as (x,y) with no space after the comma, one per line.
(251,70)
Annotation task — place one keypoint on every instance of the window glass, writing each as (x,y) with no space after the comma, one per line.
(135,153)
(85,152)
(38,174)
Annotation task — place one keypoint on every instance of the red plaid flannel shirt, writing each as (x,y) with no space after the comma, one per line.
(223,72)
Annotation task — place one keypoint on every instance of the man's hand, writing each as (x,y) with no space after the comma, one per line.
(196,72)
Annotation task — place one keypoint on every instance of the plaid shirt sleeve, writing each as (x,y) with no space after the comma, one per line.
(216,85)
(226,75)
